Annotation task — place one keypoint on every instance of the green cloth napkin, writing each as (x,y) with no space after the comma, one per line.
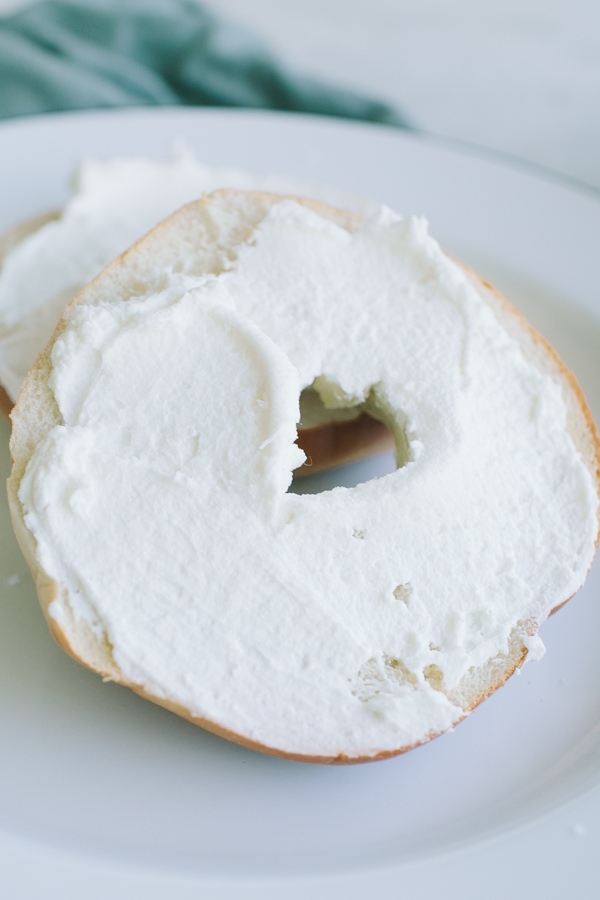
(78,54)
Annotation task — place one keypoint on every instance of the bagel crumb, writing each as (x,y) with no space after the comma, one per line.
(403,592)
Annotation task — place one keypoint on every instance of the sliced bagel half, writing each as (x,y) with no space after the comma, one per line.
(343,627)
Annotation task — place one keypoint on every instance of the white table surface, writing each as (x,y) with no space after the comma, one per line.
(521,77)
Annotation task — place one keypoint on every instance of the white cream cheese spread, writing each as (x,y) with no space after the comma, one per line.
(116,202)
(308,623)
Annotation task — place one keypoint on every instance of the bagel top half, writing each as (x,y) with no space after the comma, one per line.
(154,442)
(43,274)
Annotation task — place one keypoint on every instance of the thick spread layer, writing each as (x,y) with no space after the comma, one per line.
(315,624)
(116,202)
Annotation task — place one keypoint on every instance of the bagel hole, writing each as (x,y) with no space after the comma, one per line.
(348,476)
(345,446)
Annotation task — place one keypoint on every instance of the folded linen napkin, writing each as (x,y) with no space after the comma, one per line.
(76,54)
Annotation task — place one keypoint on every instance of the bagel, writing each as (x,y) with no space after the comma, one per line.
(49,258)
(9,241)
(340,627)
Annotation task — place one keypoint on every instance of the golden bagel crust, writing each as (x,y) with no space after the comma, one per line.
(36,413)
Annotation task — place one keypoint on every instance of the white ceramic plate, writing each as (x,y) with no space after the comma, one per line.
(103,794)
